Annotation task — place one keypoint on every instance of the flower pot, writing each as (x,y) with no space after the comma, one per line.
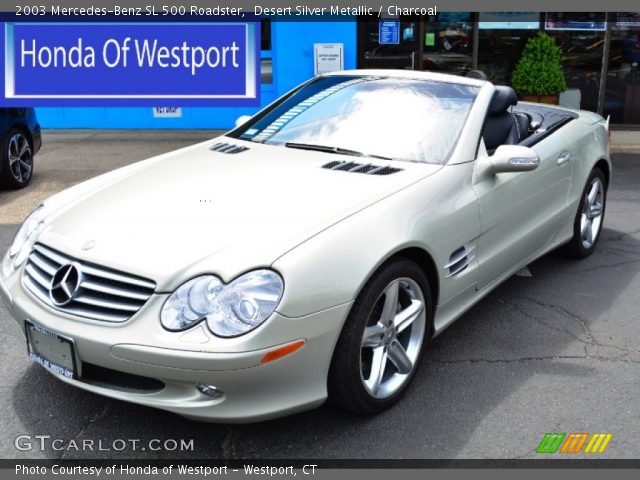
(550,99)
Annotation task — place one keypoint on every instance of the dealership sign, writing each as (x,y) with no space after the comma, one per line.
(205,64)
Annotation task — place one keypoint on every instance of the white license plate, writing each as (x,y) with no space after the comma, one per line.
(52,351)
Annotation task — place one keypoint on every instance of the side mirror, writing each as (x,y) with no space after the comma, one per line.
(514,158)
(242,119)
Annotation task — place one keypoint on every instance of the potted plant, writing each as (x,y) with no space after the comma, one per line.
(538,76)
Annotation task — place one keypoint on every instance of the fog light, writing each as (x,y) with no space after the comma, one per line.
(210,390)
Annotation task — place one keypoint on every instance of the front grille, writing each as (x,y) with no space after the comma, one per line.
(103,293)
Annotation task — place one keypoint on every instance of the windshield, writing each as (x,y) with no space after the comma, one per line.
(403,119)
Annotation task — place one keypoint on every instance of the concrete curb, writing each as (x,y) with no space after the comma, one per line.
(625,141)
(625,149)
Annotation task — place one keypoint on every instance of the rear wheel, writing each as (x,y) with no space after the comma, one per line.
(17,160)
(381,344)
(589,217)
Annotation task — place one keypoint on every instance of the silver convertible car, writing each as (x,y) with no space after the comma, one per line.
(311,253)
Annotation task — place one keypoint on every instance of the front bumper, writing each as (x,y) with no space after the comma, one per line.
(182,360)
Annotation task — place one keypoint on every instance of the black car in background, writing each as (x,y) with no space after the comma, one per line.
(20,140)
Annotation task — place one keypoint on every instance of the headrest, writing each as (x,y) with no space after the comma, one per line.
(479,74)
(502,99)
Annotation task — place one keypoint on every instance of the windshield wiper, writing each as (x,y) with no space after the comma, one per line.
(328,149)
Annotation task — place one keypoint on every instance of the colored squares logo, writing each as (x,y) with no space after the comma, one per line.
(598,443)
(550,443)
(574,443)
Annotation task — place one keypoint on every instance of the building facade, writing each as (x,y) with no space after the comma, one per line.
(601,57)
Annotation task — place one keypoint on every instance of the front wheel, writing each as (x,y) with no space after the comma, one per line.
(381,343)
(17,160)
(587,223)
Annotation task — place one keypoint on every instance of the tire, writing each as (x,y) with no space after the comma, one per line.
(352,383)
(589,217)
(17,160)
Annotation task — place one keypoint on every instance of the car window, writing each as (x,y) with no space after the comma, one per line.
(404,119)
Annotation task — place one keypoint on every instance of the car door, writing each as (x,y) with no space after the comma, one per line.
(520,212)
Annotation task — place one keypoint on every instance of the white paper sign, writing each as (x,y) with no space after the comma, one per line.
(167,112)
(328,57)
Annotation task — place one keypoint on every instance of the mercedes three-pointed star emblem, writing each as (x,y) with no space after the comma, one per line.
(65,284)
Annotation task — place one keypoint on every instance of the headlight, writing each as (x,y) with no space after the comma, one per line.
(230,310)
(26,236)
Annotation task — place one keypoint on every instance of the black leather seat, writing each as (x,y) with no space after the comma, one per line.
(502,126)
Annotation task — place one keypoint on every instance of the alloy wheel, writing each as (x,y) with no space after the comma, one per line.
(20,158)
(392,338)
(591,216)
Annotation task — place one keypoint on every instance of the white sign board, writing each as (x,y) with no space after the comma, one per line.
(167,112)
(328,57)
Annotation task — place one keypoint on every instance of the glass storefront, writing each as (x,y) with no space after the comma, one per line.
(587,40)
(448,43)
(501,38)
(375,54)
(581,36)
(499,51)
(622,92)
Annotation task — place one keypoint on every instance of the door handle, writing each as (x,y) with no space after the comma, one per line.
(564,158)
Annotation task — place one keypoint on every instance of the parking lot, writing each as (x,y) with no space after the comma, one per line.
(557,351)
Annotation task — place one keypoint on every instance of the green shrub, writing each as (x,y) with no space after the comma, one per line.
(538,72)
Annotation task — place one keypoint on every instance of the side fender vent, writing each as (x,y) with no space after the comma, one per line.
(367,168)
(223,147)
(460,260)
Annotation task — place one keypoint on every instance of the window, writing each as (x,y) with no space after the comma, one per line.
(373,54)
(502,37)
(448,43)
(581,37)
(394,118)
(622,94)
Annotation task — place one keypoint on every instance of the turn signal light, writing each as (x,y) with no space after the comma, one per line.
(282,351)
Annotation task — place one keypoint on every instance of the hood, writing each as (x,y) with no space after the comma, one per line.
(200,211)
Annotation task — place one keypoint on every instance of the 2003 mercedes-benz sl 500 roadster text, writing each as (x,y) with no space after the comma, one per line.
(310,253)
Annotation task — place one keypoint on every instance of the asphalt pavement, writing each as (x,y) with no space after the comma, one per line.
(557,351)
